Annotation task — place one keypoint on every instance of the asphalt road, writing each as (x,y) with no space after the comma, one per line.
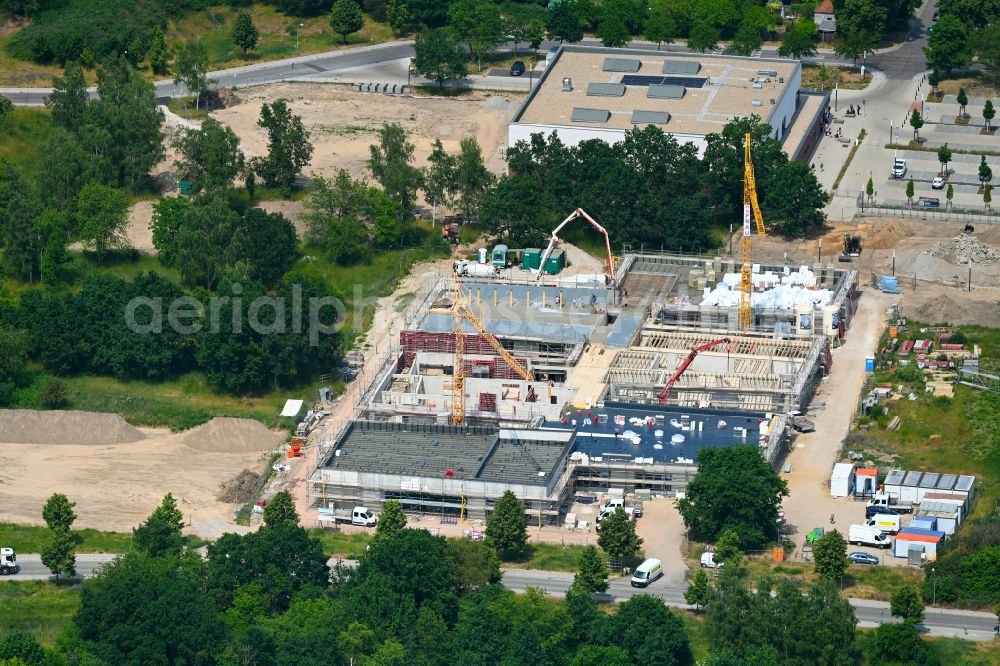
(942,622)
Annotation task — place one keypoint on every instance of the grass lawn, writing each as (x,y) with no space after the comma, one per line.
(40,608)
(860,581)
(277,35)
(20,74)
(30,538)
(981,85)
(694,627)
(846,78)
(345,545)
(23,134)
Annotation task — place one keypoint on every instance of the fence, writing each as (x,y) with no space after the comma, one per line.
(971,215)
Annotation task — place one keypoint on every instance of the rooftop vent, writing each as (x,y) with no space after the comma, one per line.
(662,91)
(567,84)
(590,115)
(681,66)
(605,90)
(766,72)
(757,102)
(758,85)
(772,101)
(781,79)
(640,117)
(621,65)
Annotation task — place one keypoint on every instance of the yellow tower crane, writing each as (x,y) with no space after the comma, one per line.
(749,204)
(460,314)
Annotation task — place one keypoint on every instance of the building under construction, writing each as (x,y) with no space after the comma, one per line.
(603,384)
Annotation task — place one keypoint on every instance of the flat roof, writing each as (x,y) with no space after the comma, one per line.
(715,88)
(615,433)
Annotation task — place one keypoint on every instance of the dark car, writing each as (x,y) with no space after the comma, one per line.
(884,510)
(517,69)
(862,558)
(936,16)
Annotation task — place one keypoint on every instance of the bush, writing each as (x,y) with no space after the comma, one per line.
(55,395)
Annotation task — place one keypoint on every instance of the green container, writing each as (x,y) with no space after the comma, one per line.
(185,187)
(530,258)
(555,263)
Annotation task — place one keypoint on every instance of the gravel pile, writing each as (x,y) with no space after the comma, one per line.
(962,249)
(27,426)
(229,435)
(239,489)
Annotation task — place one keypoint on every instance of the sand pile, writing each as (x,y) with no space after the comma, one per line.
(229,435)
(239,489)
(960,250)
(886,235)
(27,426)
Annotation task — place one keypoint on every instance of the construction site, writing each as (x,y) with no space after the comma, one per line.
(558,384)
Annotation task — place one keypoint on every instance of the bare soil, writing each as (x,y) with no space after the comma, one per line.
(117,474)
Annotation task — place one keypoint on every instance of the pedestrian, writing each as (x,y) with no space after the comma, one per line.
(820,166)
(625,303)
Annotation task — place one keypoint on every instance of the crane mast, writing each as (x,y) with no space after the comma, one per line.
(749,206)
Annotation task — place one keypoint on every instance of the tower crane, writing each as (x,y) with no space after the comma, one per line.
(665,393)
(579,212)
(460,314)
(749,204)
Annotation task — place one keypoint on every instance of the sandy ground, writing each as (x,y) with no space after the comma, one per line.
(662,530)
(813,454)
(138,231)
(118,474)
(344,124)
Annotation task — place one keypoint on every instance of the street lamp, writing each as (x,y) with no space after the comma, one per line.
(934,586)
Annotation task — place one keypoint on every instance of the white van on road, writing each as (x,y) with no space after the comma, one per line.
(647,572)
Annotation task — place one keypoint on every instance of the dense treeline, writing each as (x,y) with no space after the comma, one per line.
(650,188)
(965,30)
(967,569)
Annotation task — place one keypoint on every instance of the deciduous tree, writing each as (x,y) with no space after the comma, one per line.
(916,122)
(703,37)
(962,100)
(58,512)
(798,40)
(900,644)
(905,604)
(909,191)
(244,33)
(948,47)
(949,194)
(397,15)
(471,178)
(944,156)
(830,553)
(59,552)
(439,56)
(698,592)
(191,70)
(660,26)
(987,196)
(613,32)
(562,23)
(475,564)
(618,538)
(280,510)
(210,154)
(288,146)
(102,212)
(391,163)
(592,571)
(19,648)
(439,177)
(735,488)
(160,534)
(392,518)
(6,108)
(346,18)
(651,634)
(68,99)
(729,549)
(989,113)
(507,527)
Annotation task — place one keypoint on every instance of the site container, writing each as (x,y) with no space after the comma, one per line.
(530,258)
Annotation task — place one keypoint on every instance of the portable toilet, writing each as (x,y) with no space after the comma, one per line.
(500,256)
(865,481)
(555,263)
(909,537)
(481,255)
(530,258)
(869,364)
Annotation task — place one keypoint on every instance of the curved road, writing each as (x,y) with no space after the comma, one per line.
(971,625)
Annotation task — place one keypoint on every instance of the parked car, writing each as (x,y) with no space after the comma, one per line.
(936,16)
(938,183)
(517,69)
(708,561)
(863,558)
(898,167)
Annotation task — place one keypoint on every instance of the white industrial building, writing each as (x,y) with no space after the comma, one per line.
(599,93)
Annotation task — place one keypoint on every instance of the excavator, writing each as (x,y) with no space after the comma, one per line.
(665,393)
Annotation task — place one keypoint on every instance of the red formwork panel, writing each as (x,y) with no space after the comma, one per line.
(487,402)
(444,343)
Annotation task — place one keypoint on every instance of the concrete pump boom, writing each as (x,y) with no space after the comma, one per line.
(579,212)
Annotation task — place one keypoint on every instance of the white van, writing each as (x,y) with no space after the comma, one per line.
(647,572)
(885,523)
(865,535)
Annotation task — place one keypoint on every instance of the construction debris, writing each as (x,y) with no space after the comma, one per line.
(239,489)
(960,250)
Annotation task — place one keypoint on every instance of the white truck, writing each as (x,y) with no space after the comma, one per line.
(606,512)
(463,267)
(634,509)
(887,523)
(8,562)
(865,535)
(884,500)
(359,515)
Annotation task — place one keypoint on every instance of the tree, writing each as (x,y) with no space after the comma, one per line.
(862,16)
(747,39)
(145,610)
(263,246)
(830,553)
(735,488)
(160,534)
(728,549)
(288,146)
(58,512)
(391,164)
(6,108)
(905,604)
(698,593)
(987,196)
(916,122)
(55,393)
(68,99)
(471,178)
(439,177)
(962,100)
(600,655)
(613,32)
(438,56)
(618,538)
(660,27)
(985,173)
(475,564)
(853,45)
(280,510)
(909,191)
(102,212)
(346,18)
(19,648)
(650,633)
(59,552)
(703,37)
(948,47)
(507,527)
(562,23)
(210,154)
(479,24)
(534,32)
(244,33)
(392,518)
(944,156)
(798,41)
(592,571)
(158,54)
(795,198)
(934,79)
(949,194)
(988,113)
(191,70)
(397,15)
(900,644)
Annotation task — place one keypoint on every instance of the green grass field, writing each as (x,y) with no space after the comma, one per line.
(40,608)
(30,539)
(22,135)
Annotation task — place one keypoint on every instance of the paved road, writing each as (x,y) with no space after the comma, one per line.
(940,622)
(907,60)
